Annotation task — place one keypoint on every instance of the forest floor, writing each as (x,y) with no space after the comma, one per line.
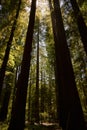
(43,126)
(35,126)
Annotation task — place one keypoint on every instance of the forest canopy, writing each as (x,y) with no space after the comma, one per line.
(43,64)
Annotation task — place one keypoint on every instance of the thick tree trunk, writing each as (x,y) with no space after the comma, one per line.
(81,24)
(18,113)
(7,52)
(70,115)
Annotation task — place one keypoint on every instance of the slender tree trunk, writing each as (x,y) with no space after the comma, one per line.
(29,104)
(71,115)
(18,112)
(81,24)
(16,73)
(7,52)
(57,95)
(57,77)
(37,81)
(50,98)
(4,108)
(42,93)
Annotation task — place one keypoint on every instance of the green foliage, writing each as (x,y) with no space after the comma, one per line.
(3,126)
(47,55)
(44,116)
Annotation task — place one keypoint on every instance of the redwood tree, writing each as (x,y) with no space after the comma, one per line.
(81,24)
(70,111)
(18,112)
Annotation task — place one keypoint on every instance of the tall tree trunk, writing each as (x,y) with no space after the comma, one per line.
(29,101)
(57,77)
(16,74)
(81,24)
(37,80)
(18,112)
(42,93)
(4,108)
(71,115)
(7,51)
(57,95)
(50,98)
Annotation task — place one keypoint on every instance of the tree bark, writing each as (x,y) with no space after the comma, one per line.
(4,108)
(29,101)
(70,111)
(42,93)
(18,112)
(7,51)
(57,79)
(50,98)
